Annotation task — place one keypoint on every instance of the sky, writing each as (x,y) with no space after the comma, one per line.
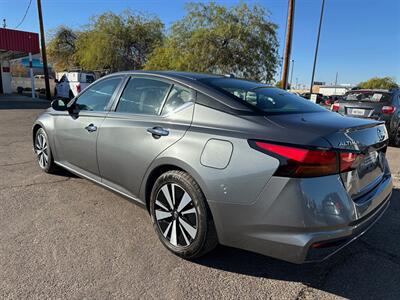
(359,38)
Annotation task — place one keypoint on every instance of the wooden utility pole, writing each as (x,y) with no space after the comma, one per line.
(43,46)
(316,47)
(288,44)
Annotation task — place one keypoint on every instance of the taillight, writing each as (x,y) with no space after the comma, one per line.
(349,161)
(335,107)
(301,162)
(388,109)
(78,88)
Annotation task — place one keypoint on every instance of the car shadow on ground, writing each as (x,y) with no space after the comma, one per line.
(65,173)
(367,268)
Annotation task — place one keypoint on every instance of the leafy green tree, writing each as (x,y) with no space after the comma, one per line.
(213,38)
(61,48)
(118,42)
(379,83)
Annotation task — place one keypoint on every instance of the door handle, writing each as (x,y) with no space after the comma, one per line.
(158,132)
(91,128)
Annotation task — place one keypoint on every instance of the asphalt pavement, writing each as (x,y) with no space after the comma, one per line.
(64,237)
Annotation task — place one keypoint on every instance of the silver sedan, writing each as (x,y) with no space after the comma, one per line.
(223,160)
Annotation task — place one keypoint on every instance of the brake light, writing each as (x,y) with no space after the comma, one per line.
(301,162)
(335,107)
(349,161)
(78,88)
(388,109)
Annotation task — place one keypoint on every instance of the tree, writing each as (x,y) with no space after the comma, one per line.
(213,38)
(118,42)
(379,83)
(62,47)
(18,70)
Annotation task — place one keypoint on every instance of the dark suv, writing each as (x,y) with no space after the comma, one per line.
(382,105)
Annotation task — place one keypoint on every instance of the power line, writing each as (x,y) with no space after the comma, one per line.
(26,12)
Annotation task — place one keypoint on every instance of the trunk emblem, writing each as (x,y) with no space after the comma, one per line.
(381,134)
(347,143)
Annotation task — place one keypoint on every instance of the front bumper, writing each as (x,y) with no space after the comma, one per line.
(291,216)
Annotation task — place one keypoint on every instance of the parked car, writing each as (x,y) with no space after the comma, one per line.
(223,160)
(71,84)
(381,105)
(308,96)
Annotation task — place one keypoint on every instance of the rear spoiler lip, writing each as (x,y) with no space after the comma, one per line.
(360,127)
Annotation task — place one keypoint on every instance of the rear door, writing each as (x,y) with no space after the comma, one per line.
(151,115)
(76,132)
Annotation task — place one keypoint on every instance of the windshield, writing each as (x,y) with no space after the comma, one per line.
(368,96)
(263,98)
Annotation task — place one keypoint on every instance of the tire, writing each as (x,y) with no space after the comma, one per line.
(396,138)
(43,152)
(195,233)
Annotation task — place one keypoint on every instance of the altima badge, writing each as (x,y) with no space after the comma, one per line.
(347,143)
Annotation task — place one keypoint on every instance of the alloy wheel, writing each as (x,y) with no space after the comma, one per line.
(41,150)
(176,215)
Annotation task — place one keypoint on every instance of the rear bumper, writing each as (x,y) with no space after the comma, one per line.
(292,215)
(319,251)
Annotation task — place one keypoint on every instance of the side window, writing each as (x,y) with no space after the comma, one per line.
(143,96)
(176,98)
(97,97)
(89,78)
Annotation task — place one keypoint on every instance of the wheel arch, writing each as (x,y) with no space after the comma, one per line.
(45,121)
(160,167)
(35,129)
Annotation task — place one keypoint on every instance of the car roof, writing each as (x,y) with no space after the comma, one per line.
(174,74)
(192,80)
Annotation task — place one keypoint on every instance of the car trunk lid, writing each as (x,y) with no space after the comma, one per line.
(367,138)
(363,109)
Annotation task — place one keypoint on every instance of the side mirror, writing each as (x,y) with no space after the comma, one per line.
(59,105)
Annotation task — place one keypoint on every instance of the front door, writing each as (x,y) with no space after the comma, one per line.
(76,132)
(150,115)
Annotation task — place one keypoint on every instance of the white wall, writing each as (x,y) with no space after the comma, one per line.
(5,77)
(329,91)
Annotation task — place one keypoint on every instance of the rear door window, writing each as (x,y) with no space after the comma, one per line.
(177,97)
(143,96)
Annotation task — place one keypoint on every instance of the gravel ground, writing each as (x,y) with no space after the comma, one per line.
(64,237)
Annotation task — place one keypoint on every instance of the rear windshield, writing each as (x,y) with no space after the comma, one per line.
(261,97)
(368,96)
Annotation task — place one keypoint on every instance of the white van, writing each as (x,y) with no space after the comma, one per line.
(70,84)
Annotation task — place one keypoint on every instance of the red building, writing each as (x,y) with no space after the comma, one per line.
(14,44)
